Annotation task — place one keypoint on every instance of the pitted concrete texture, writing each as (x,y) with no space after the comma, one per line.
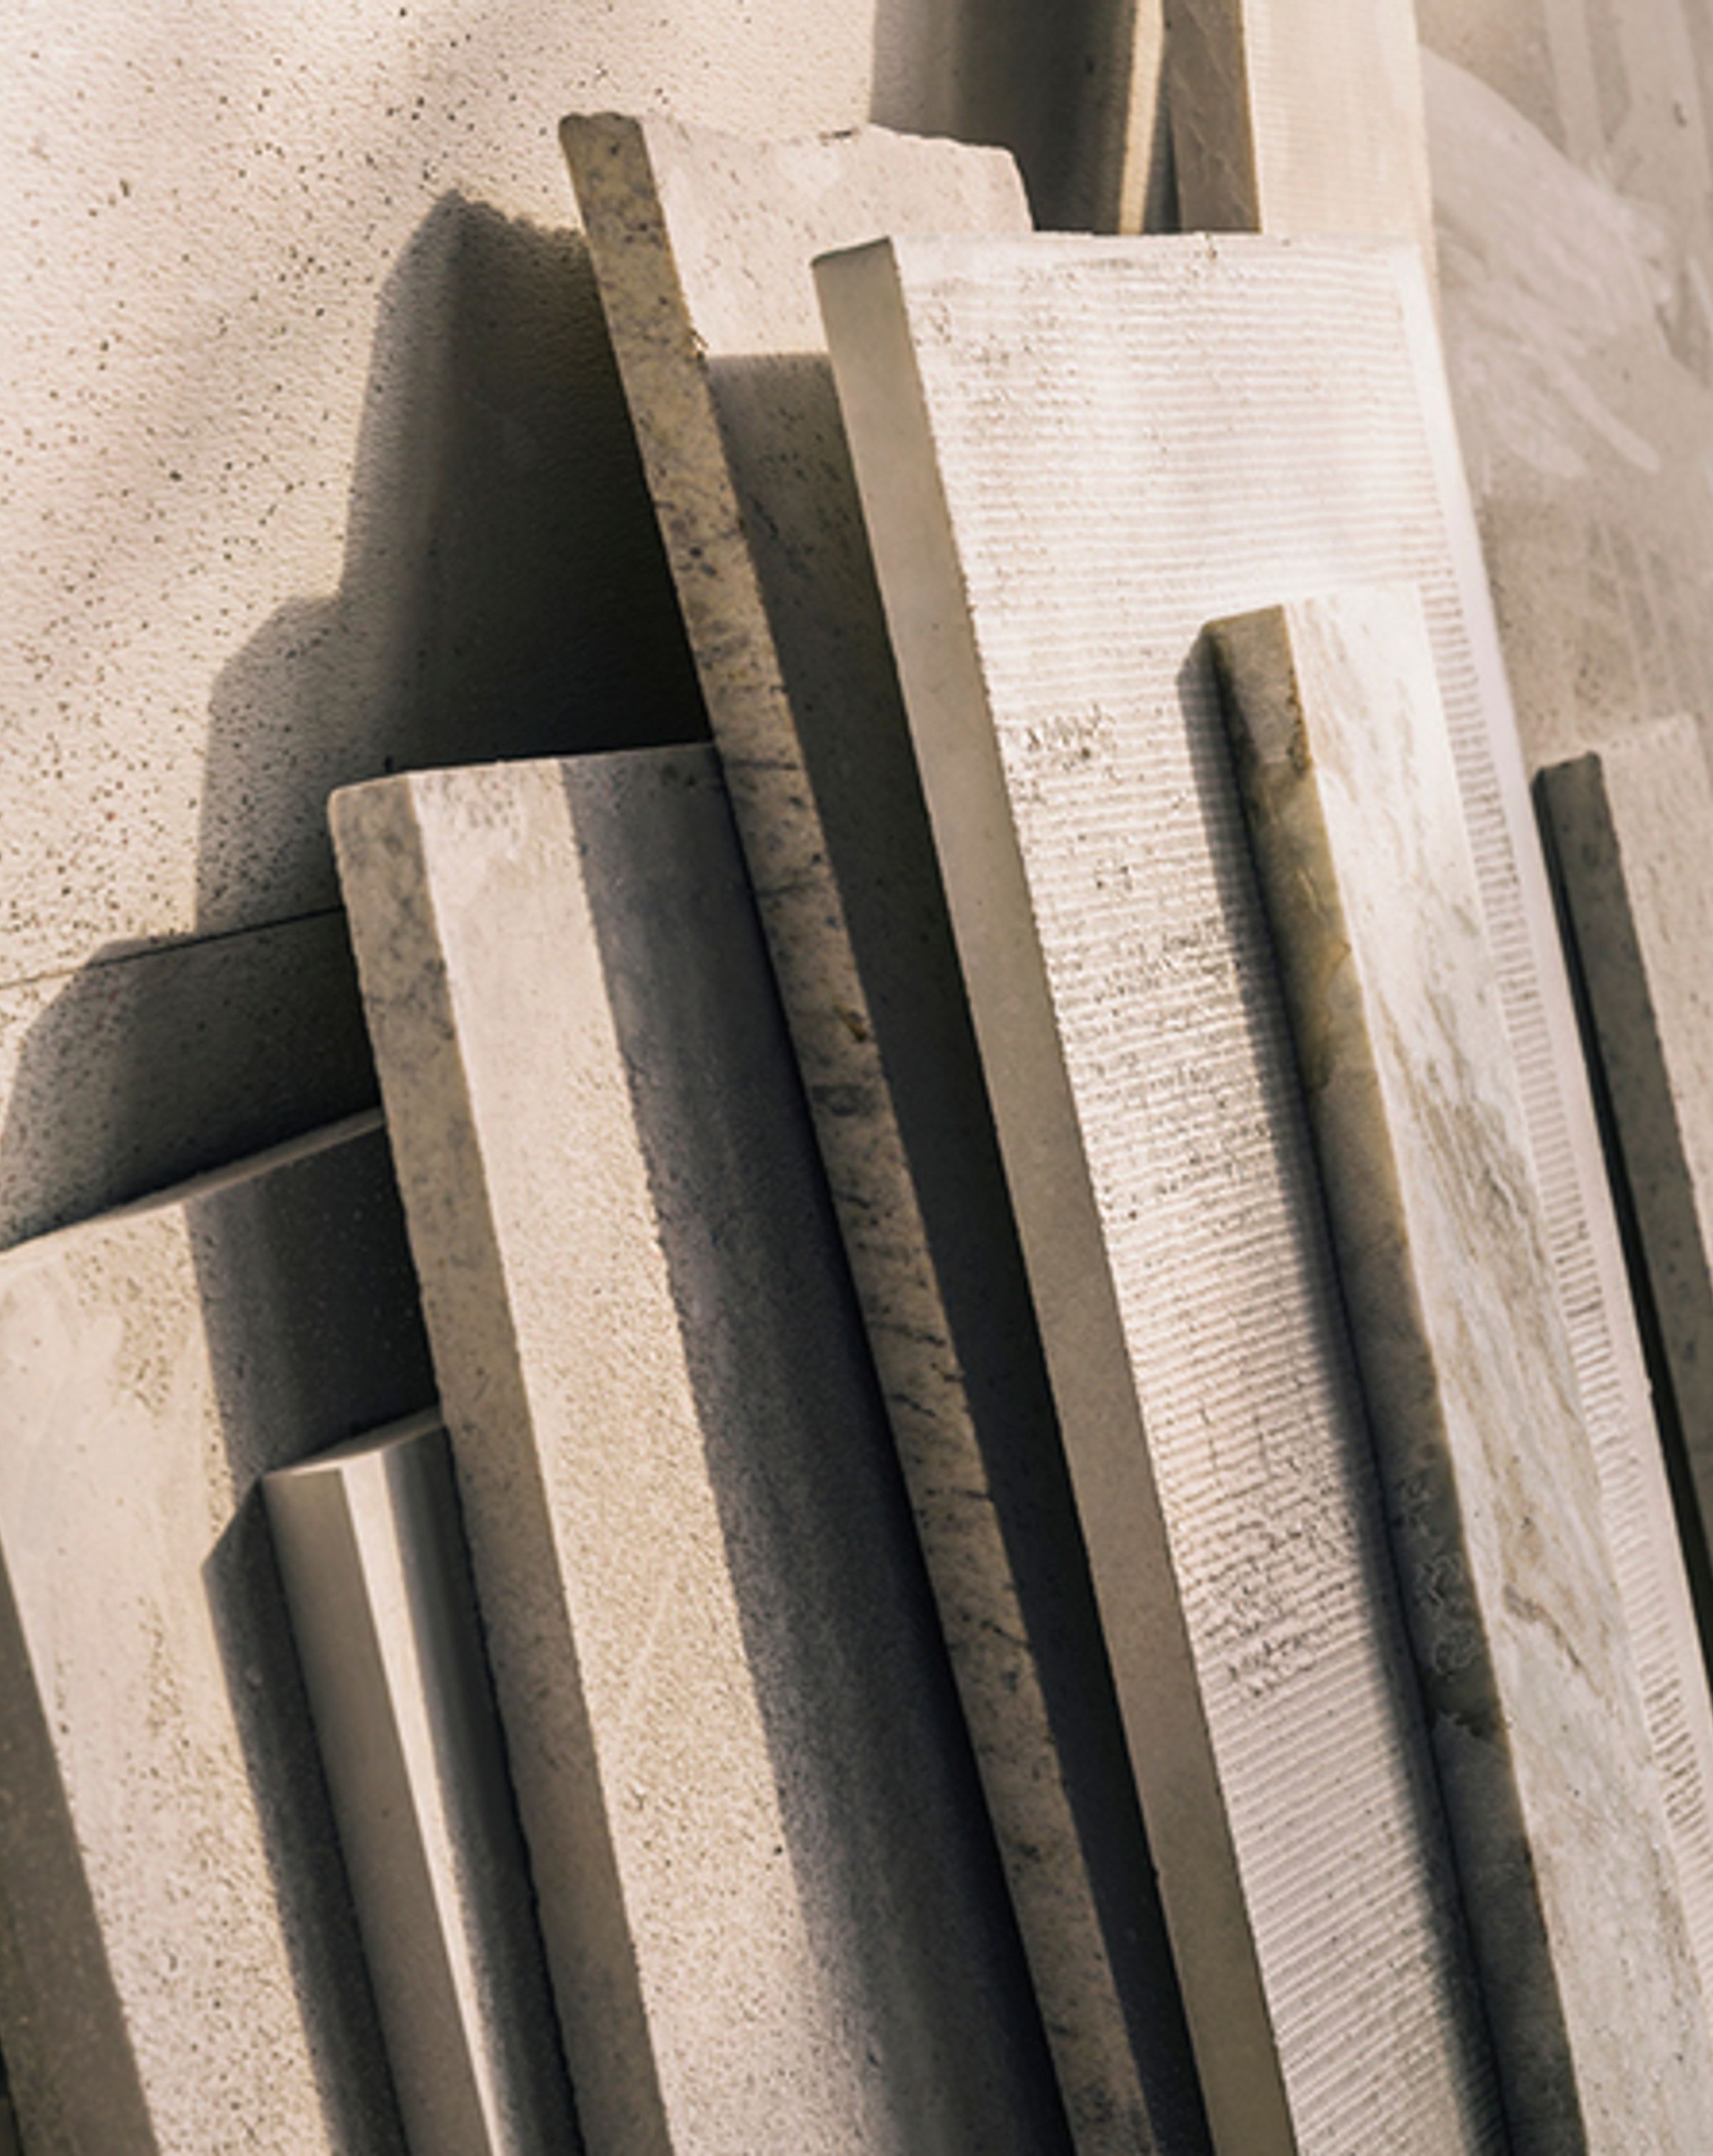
(377,1578)
(179,1967)
(1054,441)
(773,1911)
(1563,1845)
(1299,123)
(1630,825)
(702,246)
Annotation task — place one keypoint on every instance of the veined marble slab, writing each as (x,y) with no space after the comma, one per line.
(377,1578)
(771,1910)
(1073,452)
(1629,824)
(702,246)
(1357,822)
(1299,121)
(180,1972)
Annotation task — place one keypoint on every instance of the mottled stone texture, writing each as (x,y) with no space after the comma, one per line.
(377,1579)
(772,1912)
(1031,423)
(179,1968)
(1299,121)
(702,246)
(1630,824)
(1563,1847)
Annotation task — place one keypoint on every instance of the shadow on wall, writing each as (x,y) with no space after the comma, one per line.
(503,594)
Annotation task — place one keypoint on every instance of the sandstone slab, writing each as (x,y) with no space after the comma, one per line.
(1074,451)
(1370,885)
(772,1911)
(180,1971)
(702,246)
(377,1578)
(1629,824)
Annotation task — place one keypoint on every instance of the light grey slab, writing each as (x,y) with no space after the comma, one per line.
(772,1913)
(1357,822)
(1299,121)
(180,1971)
(1054,441)
(1629,824)
(377,1578)
(702,246)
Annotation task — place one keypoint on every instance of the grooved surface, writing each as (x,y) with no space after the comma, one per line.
(702,246)
(1130,437)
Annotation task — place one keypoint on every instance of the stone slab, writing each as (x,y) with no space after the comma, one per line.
(772,1913)
(1629,825)
(1039,428)
(1354,809)
(376,1576)
(1299,121)
(180,1971)
(702,246)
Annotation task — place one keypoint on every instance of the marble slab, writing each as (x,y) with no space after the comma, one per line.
(1139,1072)
(376,1577)
(702,246)
(1299,121)
(180,1969)
(1073,452)
(772,1912)
(1629,824)
(1351,795)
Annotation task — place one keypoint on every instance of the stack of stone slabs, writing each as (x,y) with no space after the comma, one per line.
(773,1918)
(1629,824)
(1074,452)
(180,1971)
(702,246)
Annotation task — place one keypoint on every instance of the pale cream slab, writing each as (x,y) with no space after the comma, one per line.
(702,246)
(1357,822)
(772,1915)
(180,1973)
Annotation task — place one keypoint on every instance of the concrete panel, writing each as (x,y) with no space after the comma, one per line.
(1299,121)
(377,1578)
(1064,451)
(772,1913)
(179,1967)
(702,245)
(1629,825)
(1357,822)
(1296,434)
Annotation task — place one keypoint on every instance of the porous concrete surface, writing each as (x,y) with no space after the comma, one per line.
(377,1579)
(1299,121)
(702,246)
(1062,445)
(772,1909)
(1629,824)
(179,1967)
(1564,1850)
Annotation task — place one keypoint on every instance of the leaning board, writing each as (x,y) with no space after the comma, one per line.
(1074,452)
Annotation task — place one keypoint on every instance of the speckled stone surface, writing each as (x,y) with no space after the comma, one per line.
(1631,824)
(1299,121)
(1564,1849)
(773,1910)
(179,1966)
(1139,1066)
(702,246)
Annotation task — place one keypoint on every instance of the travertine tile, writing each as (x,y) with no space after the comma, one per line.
(702,246)
(1357,822)
(377,1579)
(772,1911)
(1629,824)
(179,1968)
(1073,452)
